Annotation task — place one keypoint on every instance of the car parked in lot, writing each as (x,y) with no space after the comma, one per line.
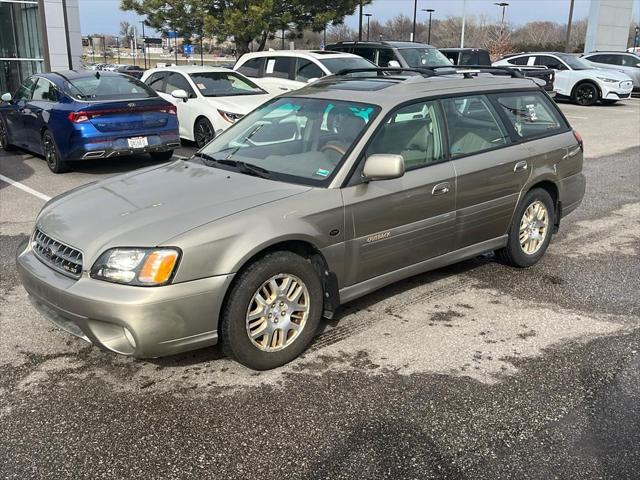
(467,56)
(208,99)
(395,54)
(286,70)
(312,200)
(132,70)
(80,115)
(625,62)
(576,78)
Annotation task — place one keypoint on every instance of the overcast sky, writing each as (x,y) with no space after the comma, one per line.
(104,16)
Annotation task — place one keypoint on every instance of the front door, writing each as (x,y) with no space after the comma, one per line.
(15,115)
(43,97)
(392,224)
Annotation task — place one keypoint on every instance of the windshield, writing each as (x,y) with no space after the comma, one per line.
(224,84)
(301,140)
(336,64)
(424,57)
(108,87)
(575,63)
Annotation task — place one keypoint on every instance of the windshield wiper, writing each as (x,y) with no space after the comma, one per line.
(248,168)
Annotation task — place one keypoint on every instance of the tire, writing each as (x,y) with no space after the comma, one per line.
(519,253)
(271,349)
(161,156)
(203,132)
(585,94)
(4,138)
(51,155)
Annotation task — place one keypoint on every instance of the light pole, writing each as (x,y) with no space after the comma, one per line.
(430,12)
(104,48)
(504,6)
(567,40)
(368,15)
(415,13)
(118,48)
(360,23)
(144,46)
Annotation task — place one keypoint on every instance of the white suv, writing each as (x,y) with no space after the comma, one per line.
(576,78)
(285,70)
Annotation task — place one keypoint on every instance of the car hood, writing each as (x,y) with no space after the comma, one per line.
(150,206)
(606,72)
(242,104)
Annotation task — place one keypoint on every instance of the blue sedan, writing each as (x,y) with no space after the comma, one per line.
(69,116)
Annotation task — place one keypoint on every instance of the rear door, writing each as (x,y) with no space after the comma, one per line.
(278,75)
(399,222)
(490,171)
(15,115)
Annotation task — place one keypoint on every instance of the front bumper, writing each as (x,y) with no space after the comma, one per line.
(161,320)
(618,91)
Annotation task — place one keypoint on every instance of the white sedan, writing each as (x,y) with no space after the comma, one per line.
(576,78)
(208,99)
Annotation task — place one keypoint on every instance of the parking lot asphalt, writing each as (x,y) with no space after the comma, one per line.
(472,371)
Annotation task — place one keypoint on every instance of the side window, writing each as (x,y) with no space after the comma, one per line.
(156,80)
(45,91)
(306,70)
(366,52)
(596,58)
(466,58)
(530,114)
(176,81)
(278,67)
(473,125)
(627,60)
(252,67)
(24,92)
(413,131)
(518,60)
(385,55)
(550,62)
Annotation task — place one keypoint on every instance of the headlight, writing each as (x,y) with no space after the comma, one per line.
(136,266)
(230,117)
(607,80)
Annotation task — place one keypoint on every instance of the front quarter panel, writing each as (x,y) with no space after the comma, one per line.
(226,245)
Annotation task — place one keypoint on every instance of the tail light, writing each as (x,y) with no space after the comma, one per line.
(84,116)
(78,117)
(171,110)
(579,139)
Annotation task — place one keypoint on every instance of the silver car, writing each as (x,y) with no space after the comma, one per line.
(625,62)
(312,200)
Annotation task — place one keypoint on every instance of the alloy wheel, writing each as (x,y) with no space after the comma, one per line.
(586,94)
(49,152)
(278,312)
(534,226)
(204,133)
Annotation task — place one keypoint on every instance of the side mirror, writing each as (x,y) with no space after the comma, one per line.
(6,97)
(181,94)
(394,64)
(383,167)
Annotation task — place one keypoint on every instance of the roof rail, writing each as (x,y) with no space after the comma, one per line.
(381,70)
(504,70)
(466,70)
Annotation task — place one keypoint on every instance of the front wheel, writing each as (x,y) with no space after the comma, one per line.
(530,232)
(273,311)
(161,156)
(585,94)
(51,154)
(203,132)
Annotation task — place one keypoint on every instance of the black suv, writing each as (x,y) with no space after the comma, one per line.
(394,54)
(467,56)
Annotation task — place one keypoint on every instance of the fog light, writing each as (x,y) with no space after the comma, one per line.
(129,336)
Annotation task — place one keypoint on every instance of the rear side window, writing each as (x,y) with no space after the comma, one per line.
(518,61)
(278,67)
(252,67)
(385,55)
(530,114)
(467,58)
(473,125)
(550,62)
(366,52)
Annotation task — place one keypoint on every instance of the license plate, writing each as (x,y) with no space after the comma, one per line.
(138,142)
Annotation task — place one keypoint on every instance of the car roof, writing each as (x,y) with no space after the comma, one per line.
(386,43)
(299,53)
(399,89)
(192,69)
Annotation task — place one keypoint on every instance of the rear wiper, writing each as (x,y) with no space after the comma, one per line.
(247,168)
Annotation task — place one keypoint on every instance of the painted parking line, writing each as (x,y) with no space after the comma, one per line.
(24,188)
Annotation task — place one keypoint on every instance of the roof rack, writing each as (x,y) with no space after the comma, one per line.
(466,70)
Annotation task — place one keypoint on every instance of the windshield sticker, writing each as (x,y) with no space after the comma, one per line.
(201,86)
(321,172)
(532,112)
(270,64)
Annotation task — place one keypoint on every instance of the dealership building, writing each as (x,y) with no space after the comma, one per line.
(37,36)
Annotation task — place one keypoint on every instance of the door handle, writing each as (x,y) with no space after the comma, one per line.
(520,166)
(441,189)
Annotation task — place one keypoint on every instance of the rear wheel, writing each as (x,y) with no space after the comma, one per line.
(4,138)
(51,154)
(530,232)
(273,311)
(585,94)
(203,132)
(161,156)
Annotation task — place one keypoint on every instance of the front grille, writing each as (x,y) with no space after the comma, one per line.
(57,255)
